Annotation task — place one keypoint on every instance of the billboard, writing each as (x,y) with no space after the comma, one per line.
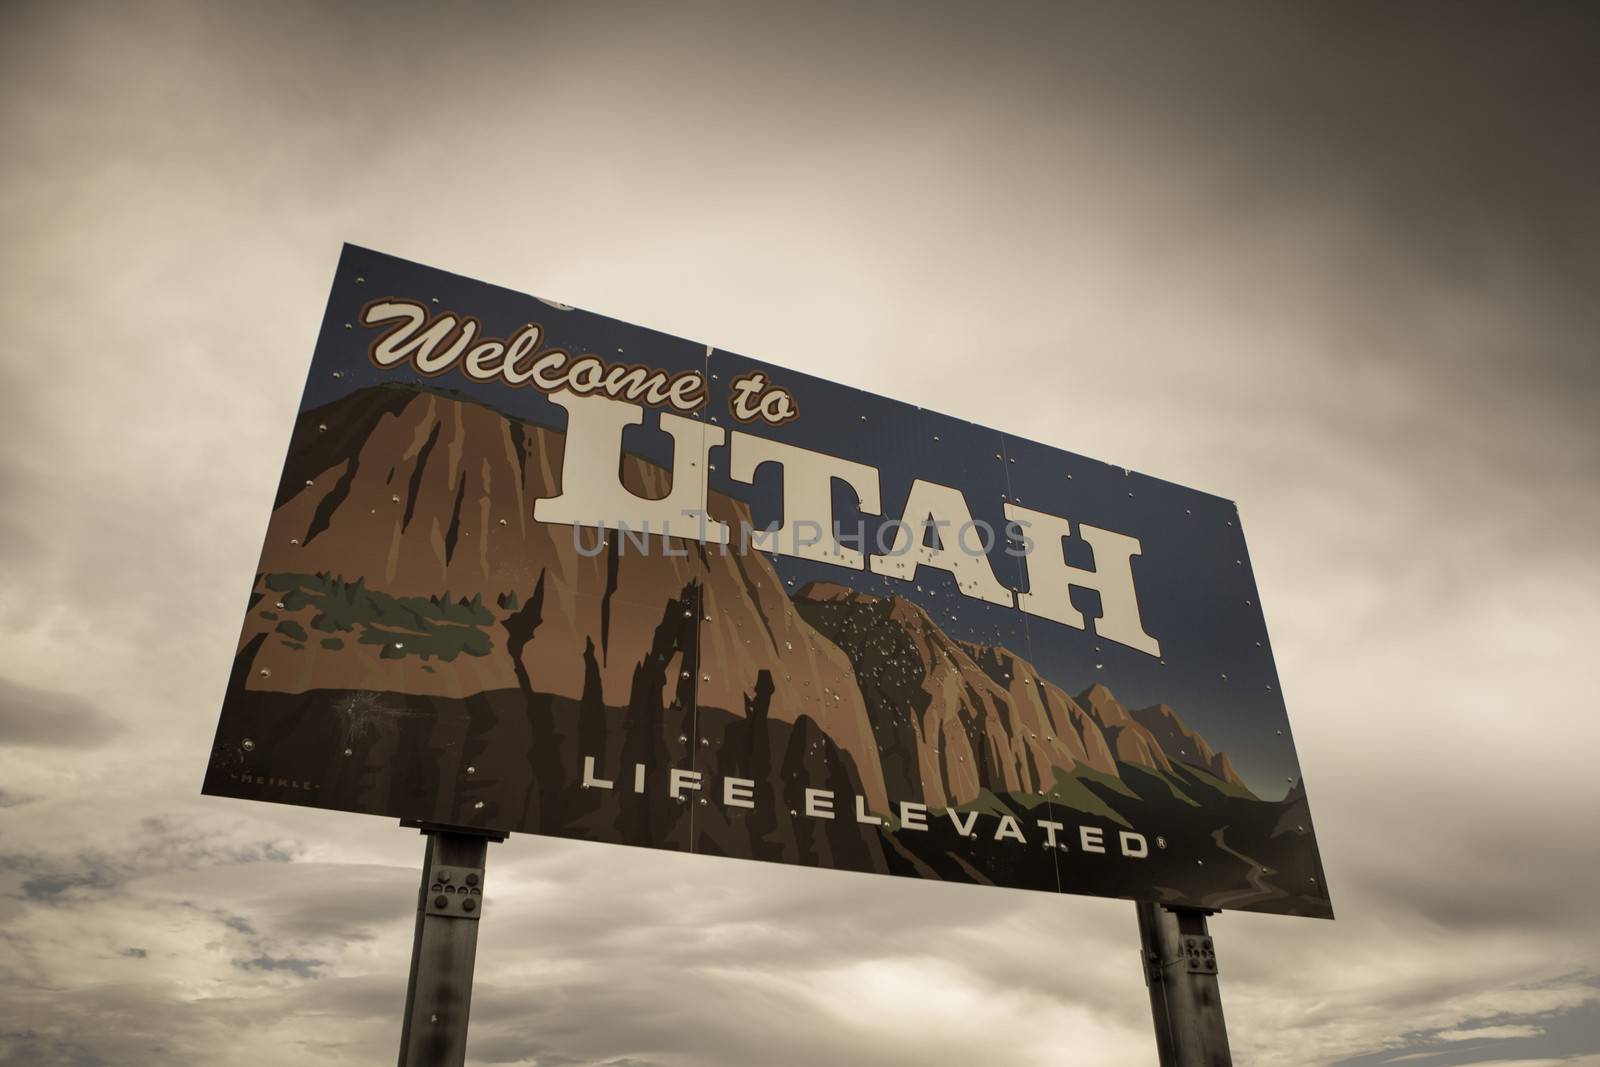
(534,569)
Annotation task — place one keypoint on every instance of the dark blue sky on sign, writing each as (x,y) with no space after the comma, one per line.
(1197,596)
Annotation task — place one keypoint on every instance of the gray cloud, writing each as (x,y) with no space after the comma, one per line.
(302,968)
(32,716)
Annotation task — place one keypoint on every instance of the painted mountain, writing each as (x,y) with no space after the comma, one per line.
(417,646)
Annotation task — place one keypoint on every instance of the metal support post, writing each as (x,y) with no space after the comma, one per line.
(449,904)
(1180,969)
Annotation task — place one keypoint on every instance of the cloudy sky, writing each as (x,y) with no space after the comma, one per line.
(1336,263)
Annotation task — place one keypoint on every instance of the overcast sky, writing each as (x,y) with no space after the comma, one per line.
(1336,263)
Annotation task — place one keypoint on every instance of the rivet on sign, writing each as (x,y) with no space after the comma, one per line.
(469,905)
(348,752)
(359,279)
(348,326)
(266,673)
(338,374)
(472,770)
(479,804)
(441,902)
(248,745)
(472,879)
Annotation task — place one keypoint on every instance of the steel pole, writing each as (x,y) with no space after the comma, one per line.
(444,948)
(1180,969)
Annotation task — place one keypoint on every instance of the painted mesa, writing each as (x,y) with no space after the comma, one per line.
(538,570)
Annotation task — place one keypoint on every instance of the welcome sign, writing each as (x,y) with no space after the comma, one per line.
(533,569)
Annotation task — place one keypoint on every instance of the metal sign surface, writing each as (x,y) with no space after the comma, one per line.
(534,569)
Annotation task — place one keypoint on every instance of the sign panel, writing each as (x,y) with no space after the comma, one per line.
(533,569)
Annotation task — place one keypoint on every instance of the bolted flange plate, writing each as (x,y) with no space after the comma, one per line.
(1200,954)
(454,892)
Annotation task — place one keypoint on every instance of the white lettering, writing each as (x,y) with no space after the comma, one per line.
(1008,828)
(479,368)
(592,493)
(522,345)
(679,780)
(589,777)
(1050,579)
(738,792)
(913,816)
(963,828)
(947,508)
(807,496)
(819,803)
(435,345)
